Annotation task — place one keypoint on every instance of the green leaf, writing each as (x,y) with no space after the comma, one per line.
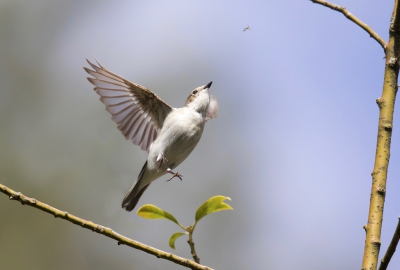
(174,237)
(153,212)
(212,205)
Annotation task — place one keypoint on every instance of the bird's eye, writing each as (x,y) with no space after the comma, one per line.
(194,92)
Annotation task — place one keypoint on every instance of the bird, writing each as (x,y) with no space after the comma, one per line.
(168,134)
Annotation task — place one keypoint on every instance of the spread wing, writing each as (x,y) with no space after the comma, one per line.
(138,112)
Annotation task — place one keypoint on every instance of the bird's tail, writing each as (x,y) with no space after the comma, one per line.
(134,194)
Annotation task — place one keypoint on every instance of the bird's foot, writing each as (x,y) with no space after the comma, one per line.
(174,175)
(161,159)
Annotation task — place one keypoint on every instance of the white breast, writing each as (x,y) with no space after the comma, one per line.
(180,134)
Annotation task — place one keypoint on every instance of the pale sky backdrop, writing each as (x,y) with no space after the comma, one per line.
(293,145)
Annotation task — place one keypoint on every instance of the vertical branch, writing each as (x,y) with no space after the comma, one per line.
(379,173)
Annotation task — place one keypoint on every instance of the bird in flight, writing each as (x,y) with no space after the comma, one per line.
(168,134)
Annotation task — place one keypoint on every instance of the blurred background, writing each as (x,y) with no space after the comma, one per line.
(293,145)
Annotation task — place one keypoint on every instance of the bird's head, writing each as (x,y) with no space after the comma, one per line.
(199,98)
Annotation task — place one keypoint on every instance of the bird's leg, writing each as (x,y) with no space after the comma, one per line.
(161,159)
(174,175)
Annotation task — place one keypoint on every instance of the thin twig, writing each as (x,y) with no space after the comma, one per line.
(391,248)
(122,240)
(192,250)
(354,19)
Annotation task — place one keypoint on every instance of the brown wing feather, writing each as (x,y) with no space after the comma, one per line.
(138,112)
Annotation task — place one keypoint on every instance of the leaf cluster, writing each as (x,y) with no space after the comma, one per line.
(212,205)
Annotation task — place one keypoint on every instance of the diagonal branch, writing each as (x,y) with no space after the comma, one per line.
(122,240)
(354,19)
(395,20)
(391,248)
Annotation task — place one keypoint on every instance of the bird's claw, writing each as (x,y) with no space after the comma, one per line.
(174,175)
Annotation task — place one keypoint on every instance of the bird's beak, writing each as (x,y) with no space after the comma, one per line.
(208,85)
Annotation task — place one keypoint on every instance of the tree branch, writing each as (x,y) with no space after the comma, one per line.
(395,20)
(192,249)
(354,19)
(122,240)
(391,248)
(385,125)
